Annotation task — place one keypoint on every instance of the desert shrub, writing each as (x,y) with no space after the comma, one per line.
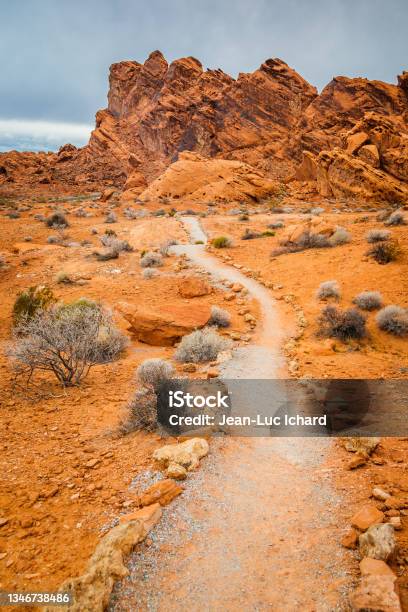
(221,242)
(385,252)
(142,412)
(199,242)
(39,217)
(200,345)
(308,240)
(340,236)
(250,234)
(317,211)
(106,254)
(165,246)
(161,212)
(66,341)
(63,278)
(130,213)
(57,219)
(94,231)
(382,215)
(244,217)
(80,212)
(219,317)
(276,225)
(111,242)
(396,218)
(110,232)
(394,320)
(151,260)
(28,238)
(111,217)
(31,300)
(377,235)
(344,325)
(267,234)
(14,215)
(368,300)
(152,373)
(2,262)
(328,289)
(148,273)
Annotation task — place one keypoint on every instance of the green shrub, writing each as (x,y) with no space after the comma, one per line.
(221,242)
(31,300)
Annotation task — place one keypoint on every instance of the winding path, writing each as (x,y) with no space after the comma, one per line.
(258,526)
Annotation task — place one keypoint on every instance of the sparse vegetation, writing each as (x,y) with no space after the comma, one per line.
(221,242)
(340,236)
(396,218)
(66,341)
(111,242)
(250,234)
(165,246)
(276,225)
(142,412)
(219,317)
(149,273)
(377,235)
(111,217)
(57,219)
(393,320)
(200,345)
(368,300)
(385,252)
(30,301)
(153,372)
(151,260)
(63,278)
(344,325)
(328,289)
(308,240)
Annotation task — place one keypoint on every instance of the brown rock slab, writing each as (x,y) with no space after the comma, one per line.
(367,516)
(193,286)
(375,594)
(370,566)
(149,515)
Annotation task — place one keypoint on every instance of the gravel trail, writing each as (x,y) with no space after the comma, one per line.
(258,525)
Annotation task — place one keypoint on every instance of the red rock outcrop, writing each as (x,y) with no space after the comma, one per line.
(265,119)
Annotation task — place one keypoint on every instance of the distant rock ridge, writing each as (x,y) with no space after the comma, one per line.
(270,119)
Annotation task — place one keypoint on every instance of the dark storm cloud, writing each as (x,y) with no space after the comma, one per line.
(55,54)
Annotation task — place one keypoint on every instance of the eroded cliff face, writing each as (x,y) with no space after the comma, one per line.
(270,119)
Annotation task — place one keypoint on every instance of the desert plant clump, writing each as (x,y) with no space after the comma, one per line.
(165,246)
(57,219)
(141,412)
(244,217)
(393,320)
(276,225)
(385,252)
(111,217)
(250,234)
(149,273)
(340,236)
(344,325)
(221,242)
(63,278)
(31,300)
(317,211)
(308,240)
(219,317)
(67,341)
(377,235)
(328,289)
(201,345)
(152,373)
(106,254)
(368,300)
(151,260)
(111,242)
(396,218)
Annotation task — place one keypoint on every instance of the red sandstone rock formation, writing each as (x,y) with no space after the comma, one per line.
(266,119)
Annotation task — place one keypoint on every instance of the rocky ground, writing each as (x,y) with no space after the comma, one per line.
(66,470)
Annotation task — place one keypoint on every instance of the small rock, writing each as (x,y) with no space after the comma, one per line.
(367,516)
(176,471)
(370,566)
(350,539)
(375,594)
(162,492)
(395,521)
(361,445)
(395,503)
(356,462)
(3,521)
(91,463)
(212,373)
(380,494)
(378,542)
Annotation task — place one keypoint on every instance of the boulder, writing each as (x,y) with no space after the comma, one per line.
(193,286)
(369,567)
(186,454)
(164,326)
(369,154)
(375,593)
(91,591)
(363,446)
(378,542)
(355,141)
(107,194)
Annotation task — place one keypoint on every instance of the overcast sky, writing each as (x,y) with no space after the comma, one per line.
(55,54)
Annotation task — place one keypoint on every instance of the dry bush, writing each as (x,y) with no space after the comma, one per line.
(31,300)
(308,240)
(149,273)
(368,300)
(221,242)
(328,289)
(63,278)
(106,254)
(111,217)
(141,412)
(394,320)
(340,236)
(151,260)
(152,373)
(396,218)
(111,242)
(250,234)
(276,225)
(67,341)
(57,219)
(219,317)
(385,252)
(377,235)
(165,247)
(344,325)
(201,345)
